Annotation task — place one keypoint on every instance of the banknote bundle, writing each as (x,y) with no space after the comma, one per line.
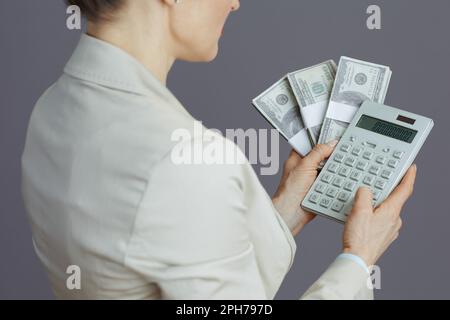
(316,104)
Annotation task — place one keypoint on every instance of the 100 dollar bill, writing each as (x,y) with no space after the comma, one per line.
(356,81)
(312,88)
(279,106)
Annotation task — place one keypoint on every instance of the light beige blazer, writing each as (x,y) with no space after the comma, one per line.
(102,193)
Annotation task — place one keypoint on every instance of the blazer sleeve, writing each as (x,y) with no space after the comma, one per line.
(191,238)
(191,235)
(343,280)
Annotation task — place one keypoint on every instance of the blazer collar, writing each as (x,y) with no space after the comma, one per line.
(99,62)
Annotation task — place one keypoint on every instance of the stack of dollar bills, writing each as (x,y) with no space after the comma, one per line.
(316,104)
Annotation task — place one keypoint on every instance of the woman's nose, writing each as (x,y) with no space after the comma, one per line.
(235,6)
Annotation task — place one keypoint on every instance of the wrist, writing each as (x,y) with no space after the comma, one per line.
(294,219)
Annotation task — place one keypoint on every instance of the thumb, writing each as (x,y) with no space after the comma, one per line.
(319,153)
(363,201)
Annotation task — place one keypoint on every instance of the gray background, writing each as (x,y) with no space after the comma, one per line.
(264,40)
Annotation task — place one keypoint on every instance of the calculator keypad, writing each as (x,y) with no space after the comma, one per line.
(361,165)
(368,155)
(393,164)
(337,206)
(355,175)
(368,180)
(333,167)
(344,172)
(398,154)
(325,202)
(339,157)
(320,188)
(354,165)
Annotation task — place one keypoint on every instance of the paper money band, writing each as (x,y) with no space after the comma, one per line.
(313,115)
(341,112)
(300,142)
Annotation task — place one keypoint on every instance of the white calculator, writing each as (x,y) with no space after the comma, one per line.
(375,151)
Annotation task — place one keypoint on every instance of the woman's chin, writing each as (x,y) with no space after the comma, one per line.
(213,55)
(203,56)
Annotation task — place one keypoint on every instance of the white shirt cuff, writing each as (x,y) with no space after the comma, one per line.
(354,258)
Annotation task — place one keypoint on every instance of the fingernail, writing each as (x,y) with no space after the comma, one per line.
(333,143)
(415,166)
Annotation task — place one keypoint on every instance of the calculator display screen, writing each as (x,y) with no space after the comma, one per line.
(386,128)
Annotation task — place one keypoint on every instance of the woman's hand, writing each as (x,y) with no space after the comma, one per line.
(298,176)
(368,231)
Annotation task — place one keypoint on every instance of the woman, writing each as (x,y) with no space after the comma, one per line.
(104,194)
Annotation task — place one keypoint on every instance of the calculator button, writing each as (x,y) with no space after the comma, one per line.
(314,198)
(332,192)
(338,182)
(345,147)
(392,163)
(349,186)
(327,177)
(337,206)
(343,196)
(367,155)
(361,165)
(333,167)
(381,160)
(320,187)
(380,184)
(376,195)
(371,144)
(344,171)
(339,157)
(386,150)
(325,202)
(398,154)
(386,174)
(355,175)
(374,170)
(350,161)
(368,180)
(357,151)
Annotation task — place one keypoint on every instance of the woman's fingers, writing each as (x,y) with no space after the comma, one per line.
(363,201)
(402,192)
(294,157)
(292,161)
(319,153)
